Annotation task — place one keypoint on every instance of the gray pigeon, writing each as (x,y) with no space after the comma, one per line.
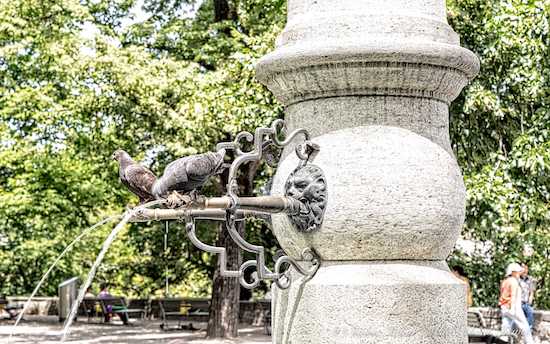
(188,174)
(137,178)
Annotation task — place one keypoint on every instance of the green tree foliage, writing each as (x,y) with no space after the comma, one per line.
(206,38)
(501,132)
(179,82)
(67,103)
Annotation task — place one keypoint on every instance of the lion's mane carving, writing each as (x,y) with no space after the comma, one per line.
(308,185)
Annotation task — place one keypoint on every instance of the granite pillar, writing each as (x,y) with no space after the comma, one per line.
(372,81)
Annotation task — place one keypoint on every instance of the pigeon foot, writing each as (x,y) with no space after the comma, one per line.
(194,195)
(176,200)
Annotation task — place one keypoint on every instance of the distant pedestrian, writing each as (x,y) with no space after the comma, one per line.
(104,292)
(459,273)
(89,293)
(510,304)
(528,286)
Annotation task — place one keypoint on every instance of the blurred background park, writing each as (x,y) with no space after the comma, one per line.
(167,78)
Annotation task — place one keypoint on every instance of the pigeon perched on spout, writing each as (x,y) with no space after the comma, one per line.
(186,175)
(137,178)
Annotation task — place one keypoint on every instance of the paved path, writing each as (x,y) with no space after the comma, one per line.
(47,331)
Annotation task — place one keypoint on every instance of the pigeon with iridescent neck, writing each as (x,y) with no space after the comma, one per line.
(137,178)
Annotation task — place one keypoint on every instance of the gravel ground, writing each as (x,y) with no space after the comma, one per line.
(47,330)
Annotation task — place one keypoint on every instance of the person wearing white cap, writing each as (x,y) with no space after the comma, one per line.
(510,303)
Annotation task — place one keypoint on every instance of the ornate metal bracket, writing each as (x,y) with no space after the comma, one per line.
(306,151)
(220,251)
(304,202)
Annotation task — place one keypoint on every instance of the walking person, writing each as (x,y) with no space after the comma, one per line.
(528,286)
(510,303)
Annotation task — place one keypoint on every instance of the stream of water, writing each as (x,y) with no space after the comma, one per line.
(106,244)
(91,274)
(54,264)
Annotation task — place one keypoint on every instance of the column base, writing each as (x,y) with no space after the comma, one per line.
(372,302)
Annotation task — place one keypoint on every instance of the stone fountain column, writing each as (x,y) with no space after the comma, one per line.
(372,81)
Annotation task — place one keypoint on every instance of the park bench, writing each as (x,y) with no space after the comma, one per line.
(199,310)
(183,310)
(91,307)
(478,332)
(11,309)
(144,304)
(117,305)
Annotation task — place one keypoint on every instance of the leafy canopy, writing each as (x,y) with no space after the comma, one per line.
(501,132)
(179,82)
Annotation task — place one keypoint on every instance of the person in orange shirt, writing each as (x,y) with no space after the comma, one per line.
(510,303)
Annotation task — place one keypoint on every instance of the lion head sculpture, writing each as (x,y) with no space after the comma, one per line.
(308,185)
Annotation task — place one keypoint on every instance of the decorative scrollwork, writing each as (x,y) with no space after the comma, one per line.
(261,140)
(312,196)
(305,204)
(278,128)
(220,251)
(284,279)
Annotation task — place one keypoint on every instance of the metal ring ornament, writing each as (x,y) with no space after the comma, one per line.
(279,127)
(233,198)
(255,278)
(308,255)
(305,151)
(300,152)
(283,280)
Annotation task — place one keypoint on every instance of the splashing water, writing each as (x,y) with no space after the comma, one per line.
(91,274)
(82,292)
(54,264)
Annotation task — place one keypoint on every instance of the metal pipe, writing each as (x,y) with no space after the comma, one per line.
(214,209)
(269,204)
(146,215)
(262,204)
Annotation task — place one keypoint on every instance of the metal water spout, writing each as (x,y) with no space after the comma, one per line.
(303,204)
(372,81)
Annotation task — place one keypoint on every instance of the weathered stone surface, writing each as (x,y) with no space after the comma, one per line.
(372,81)
(392,194)
(399,302)
(424,116)
(396,75)
(339,48)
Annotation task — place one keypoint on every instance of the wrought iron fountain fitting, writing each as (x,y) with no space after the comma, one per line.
(280,277)
(304,202)
(262,138)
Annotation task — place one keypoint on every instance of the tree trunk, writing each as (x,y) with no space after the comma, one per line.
(222,10)
(224,308)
